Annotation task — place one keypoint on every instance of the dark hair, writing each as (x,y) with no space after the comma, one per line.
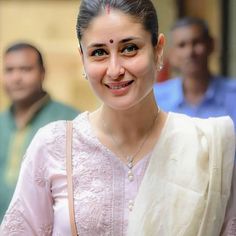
(188,21)
(23,45)
(143,10)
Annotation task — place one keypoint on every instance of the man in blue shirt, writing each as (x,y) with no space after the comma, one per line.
(197,92)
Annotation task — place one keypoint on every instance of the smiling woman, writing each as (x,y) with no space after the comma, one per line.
(121,73)
(136,170)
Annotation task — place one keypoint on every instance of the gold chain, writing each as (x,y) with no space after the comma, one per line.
(130,158)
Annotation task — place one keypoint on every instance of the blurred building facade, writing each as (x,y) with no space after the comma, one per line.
(50,25)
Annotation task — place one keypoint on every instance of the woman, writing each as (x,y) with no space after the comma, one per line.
(136,169)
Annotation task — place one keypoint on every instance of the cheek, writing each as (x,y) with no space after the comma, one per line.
(8,83)
(33,81)
(201,49)
(141,67)
(94,71)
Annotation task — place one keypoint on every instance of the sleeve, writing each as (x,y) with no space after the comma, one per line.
(229,227)
(31,209)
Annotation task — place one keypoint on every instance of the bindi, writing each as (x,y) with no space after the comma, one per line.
(111,41)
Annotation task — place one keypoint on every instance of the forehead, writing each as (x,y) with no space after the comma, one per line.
(188,32)
(112,25)
(21,56)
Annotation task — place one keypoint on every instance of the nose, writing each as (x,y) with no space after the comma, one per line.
(115,69)
(190,50)
(15,76)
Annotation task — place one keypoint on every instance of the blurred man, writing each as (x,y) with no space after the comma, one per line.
(31,108)
(197,92)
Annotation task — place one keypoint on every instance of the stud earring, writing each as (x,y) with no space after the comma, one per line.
(160,66)
(84,75)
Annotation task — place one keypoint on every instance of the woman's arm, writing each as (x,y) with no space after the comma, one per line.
(31,209)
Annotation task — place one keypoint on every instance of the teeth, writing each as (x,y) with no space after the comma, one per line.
(119,86)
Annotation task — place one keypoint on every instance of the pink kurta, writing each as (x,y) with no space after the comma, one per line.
(103,193)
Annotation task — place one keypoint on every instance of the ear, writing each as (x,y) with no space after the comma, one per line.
(81,52)
(211,45)
(43,72)
(159,49)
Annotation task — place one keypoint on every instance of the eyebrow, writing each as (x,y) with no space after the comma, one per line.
(128,39)
(97,45)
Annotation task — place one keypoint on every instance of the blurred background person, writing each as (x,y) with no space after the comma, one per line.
(31,108)
(197,91)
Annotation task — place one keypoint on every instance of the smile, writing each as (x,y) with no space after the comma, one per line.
(116,86)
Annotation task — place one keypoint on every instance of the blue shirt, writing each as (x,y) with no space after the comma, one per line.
(219,99)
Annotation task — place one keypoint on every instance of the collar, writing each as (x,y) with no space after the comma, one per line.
(31,112)
(209,95)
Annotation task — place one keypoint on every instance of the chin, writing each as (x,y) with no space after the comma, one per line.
(123,105)
(20,100)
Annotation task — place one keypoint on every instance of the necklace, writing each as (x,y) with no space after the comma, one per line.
(130,158)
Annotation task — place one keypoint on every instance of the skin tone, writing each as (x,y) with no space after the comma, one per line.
(122,74)
(189,53)
(22,80)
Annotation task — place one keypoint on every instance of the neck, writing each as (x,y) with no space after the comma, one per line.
(21,109)
(131,133)
(21,106)
(130,124)
(195,86)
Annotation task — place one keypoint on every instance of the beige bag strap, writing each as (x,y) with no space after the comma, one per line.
(69,170)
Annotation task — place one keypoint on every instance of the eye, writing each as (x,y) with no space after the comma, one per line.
(130,50)
(8,70)
(98,53)
(181,45)
(26,68)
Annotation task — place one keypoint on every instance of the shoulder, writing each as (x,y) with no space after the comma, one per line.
(5,114)
(169,94)
(6,122)
(49,133)
(46,154)
(214,128)
(226,84)
(57,110)
(60,105)
(215,135)
(56,130)
(223,124)
(168,84)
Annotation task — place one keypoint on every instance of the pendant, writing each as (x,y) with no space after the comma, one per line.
(130,166)
(130,177)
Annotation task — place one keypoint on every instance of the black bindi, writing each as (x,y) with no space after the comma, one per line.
(111,41)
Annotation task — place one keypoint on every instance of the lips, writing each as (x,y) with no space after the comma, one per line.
(120,85)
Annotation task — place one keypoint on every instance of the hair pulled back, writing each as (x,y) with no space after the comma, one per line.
(143,10)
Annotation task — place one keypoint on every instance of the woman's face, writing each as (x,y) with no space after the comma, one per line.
(119,59)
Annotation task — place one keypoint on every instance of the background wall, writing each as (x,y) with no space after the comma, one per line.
(232,38)
(211,12)
(50,25)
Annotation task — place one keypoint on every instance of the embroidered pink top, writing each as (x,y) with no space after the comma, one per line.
(104,195)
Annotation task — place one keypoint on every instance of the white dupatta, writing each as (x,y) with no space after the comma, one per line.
(187,183)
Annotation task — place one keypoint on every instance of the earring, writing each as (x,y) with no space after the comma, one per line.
(160,66)
(84,75)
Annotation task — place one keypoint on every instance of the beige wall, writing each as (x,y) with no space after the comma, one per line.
(50,25)
(211,12)
(232,39)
